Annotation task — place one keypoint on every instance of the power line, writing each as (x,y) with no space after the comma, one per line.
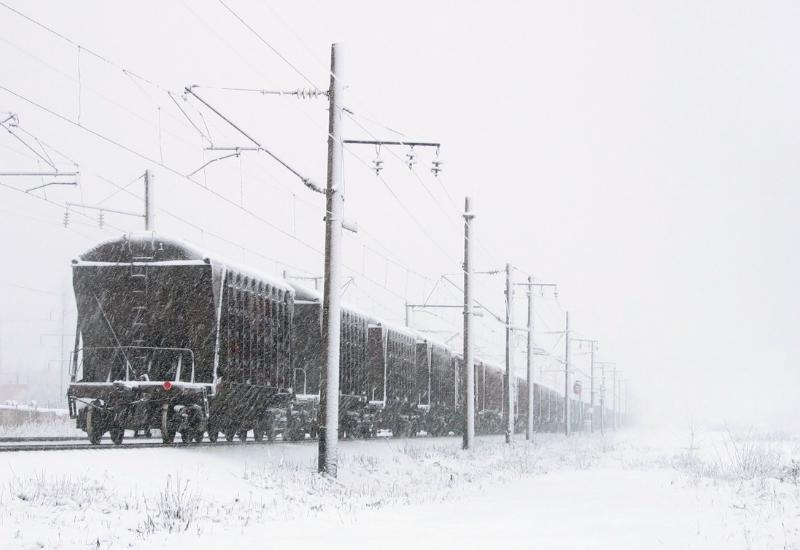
(80,46)
(268,45)
(313,84)
(166,167)
(60,205)
(128,73)
(202,230)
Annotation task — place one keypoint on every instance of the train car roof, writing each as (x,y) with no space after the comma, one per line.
(121,249)
(401,329)
(168,250)
(311,295)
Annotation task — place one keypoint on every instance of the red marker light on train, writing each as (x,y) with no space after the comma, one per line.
(167,385)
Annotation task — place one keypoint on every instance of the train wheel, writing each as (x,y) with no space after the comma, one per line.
(230,433)
(117,434)
(198,436)
(314,432)
(242,434)
(213,433)
(258,433)
(93,426)
(187,436)
(167,429)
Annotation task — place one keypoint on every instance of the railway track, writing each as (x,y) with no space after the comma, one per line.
(80,444)
(19,444)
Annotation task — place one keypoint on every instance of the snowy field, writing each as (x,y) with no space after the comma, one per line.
(635,490)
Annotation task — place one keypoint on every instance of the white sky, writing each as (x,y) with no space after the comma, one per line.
(643,155)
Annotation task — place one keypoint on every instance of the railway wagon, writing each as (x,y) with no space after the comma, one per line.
(441,416)
(355,356)
(169,337)
(489,384)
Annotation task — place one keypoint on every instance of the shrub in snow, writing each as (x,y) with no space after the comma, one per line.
(173,509)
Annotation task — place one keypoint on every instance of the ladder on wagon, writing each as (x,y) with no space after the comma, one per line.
(138,329)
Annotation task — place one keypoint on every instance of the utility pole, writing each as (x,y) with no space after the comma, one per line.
(567,415)
(603,393)
(509,355)
(331,307)
(63,361)
(614,398)
(529,431)
(591,390)
(593,344)
(602,400)
(469,360)
(626,400)
(148,216)
(532,349)
(149,210)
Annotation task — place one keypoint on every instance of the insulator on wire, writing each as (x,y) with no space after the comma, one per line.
(377,163)
(307,93)
(436,167)
(66,218)
(411,158)
(100,220)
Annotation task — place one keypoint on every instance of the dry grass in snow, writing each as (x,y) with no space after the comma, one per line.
(747,483)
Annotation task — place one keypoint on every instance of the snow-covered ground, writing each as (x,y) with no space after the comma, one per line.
(639,490)
(57,424)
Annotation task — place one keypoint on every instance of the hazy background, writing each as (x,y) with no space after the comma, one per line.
(643,155)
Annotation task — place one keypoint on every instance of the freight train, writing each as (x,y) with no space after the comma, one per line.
(171,338)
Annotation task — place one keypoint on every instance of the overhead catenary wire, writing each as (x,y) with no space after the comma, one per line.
(80,46)
(163,165)
(314,86)
(306,181)
(268,45)
(185,115)
(62,206)
(261,38)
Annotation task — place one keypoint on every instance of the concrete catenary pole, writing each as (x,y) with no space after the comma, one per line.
(591,390)
(567,415)
(469,360)
(529,432)
(603,399)
(626,410)
(331,307)
(149,208)
(614,398)
(509,390)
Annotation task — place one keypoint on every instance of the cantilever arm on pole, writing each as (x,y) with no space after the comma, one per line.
(236,154)
(306,181)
